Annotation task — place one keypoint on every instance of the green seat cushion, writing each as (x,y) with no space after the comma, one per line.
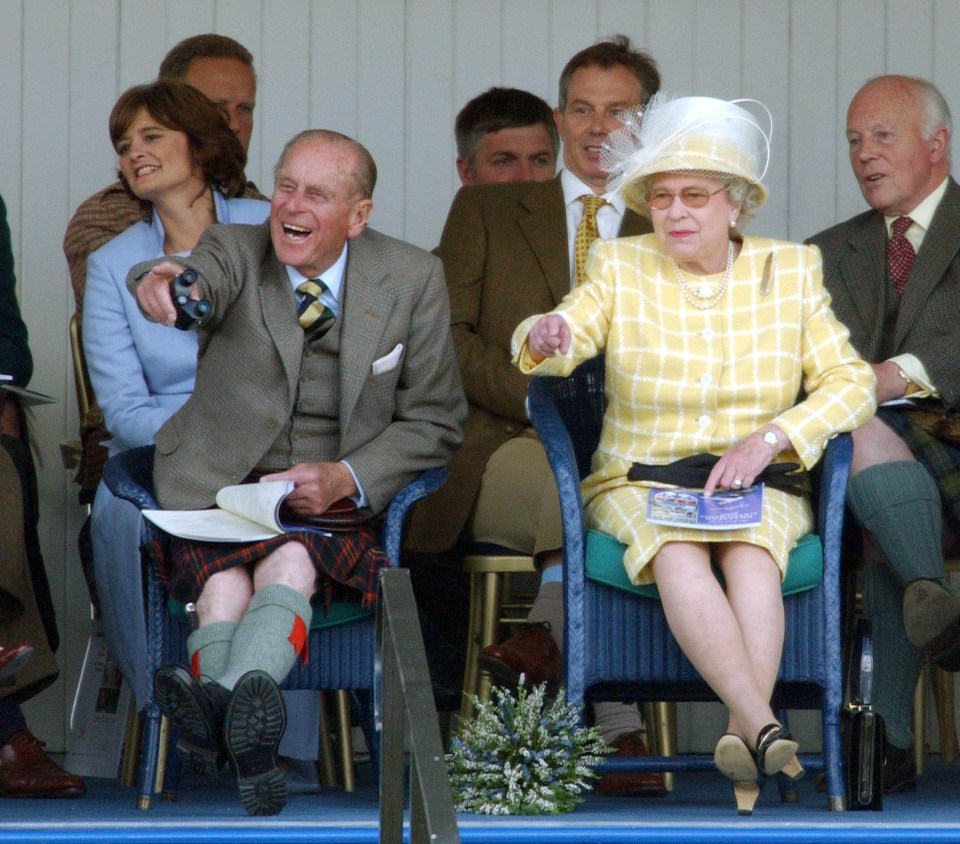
(340,612)
(605,565)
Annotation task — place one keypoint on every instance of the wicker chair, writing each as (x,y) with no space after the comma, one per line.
(340,656)
(568,414)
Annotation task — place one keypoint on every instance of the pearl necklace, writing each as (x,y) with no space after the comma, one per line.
(701,295)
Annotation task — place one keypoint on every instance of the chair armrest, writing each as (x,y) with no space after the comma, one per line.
(392,530)
(830,511)
(129,475)
(546,419)
(832,500)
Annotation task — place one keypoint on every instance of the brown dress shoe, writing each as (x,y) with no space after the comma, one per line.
(26,771)
(14,658)
(631,783)
(530,652)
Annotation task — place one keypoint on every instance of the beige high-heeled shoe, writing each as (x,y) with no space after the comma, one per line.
(777,751)
(734,760)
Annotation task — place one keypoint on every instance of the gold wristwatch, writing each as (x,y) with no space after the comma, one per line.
(911,387)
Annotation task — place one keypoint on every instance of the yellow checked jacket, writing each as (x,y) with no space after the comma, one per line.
(682,380)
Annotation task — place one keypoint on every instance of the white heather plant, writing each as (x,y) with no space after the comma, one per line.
(522,756)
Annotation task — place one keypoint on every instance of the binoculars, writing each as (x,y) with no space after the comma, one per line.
(190,312)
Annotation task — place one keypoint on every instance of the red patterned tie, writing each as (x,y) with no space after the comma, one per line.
(900,253)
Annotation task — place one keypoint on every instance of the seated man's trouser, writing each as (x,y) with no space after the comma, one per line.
(518,506)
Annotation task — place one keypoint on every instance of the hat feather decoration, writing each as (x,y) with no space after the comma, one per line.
(700,134)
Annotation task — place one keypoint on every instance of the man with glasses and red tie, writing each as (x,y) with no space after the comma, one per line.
(894,275)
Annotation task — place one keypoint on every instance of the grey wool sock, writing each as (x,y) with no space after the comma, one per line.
(209,649)
(271,634)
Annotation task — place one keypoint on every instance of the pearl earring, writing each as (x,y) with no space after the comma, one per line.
(733,223)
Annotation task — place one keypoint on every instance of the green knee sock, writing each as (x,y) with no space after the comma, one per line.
(899,505)
(271,634)
(209,649)
(897,665)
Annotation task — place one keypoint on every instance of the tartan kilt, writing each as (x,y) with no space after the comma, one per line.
(940,458)
(347,563)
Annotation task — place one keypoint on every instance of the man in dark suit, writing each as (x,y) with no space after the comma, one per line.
(508,252)
(325,361)
(894,275)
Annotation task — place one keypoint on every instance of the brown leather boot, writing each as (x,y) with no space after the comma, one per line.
(26,771)
(631,783)
(530,654)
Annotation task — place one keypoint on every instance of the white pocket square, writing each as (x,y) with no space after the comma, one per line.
(388,361)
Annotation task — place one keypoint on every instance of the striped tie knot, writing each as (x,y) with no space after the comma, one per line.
(314,316)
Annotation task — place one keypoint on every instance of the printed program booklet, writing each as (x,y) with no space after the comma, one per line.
(250,512)
(724,510)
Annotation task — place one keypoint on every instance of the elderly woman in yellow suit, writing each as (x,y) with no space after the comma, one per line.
(709,337)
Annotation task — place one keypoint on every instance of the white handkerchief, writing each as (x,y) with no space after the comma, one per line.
(388,361)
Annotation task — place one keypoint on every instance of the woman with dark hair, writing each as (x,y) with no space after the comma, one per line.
(178,156)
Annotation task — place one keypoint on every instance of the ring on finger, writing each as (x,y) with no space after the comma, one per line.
(738,482)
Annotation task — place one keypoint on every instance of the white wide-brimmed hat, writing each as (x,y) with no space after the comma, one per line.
(700,134)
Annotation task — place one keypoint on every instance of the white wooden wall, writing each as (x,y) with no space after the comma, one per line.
(393,73)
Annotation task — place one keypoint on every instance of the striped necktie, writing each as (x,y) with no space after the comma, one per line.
(313,315)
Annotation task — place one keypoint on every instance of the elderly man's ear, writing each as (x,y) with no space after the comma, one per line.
(359,215)
(939,144)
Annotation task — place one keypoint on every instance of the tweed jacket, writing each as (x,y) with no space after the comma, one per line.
(927,323)
(505,254)
(99,219)
(682,380)
(396,419)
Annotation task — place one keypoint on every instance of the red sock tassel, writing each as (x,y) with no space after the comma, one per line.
(298,639)
(195,665)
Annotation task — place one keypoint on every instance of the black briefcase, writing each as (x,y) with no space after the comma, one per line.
(863,734)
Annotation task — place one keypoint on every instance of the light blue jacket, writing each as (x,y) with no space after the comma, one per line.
(141,372)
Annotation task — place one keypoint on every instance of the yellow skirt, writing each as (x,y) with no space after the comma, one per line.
(622,513)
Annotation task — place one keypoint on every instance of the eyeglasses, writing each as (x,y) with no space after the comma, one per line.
(662,199)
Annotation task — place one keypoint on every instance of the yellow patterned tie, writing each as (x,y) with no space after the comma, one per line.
(314,317)
(586,234)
